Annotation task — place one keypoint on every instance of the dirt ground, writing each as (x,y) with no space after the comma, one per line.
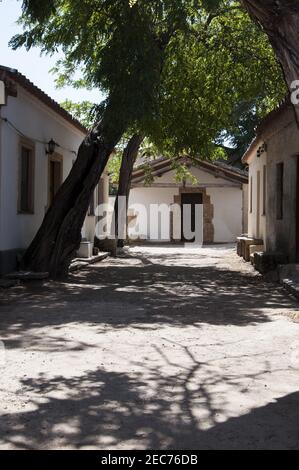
(164,348)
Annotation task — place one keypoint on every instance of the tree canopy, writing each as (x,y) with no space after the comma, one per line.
(191,75)
(182,72)
(217,84)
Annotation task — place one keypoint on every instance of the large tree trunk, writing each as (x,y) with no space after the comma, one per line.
(125,175)
(59,236)
(280,21)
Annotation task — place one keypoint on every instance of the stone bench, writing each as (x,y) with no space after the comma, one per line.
(254,249)
(240,244)
(265,262)
(243,246)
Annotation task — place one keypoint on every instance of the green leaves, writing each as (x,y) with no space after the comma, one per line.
(211,5)
(214,78)
(85,112)
(190,74)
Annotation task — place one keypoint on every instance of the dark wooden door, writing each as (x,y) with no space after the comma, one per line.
(297,214)
(191,199)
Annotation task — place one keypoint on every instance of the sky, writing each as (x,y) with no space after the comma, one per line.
(32,64)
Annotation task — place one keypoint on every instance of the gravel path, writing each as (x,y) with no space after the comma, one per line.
(164,348)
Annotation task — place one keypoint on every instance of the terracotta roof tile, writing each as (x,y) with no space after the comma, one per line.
(163,165)
(24,82)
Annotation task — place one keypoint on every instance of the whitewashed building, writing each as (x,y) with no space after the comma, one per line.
(38,145)
(220,190)
(273,212)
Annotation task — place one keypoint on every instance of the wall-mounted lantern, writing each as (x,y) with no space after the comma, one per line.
(51,147)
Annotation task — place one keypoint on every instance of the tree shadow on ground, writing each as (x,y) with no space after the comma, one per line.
(142,293)
(109,410)
(144,402)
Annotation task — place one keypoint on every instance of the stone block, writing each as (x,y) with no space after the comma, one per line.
(254,249)
(265,262)
(85,250)
(106,245)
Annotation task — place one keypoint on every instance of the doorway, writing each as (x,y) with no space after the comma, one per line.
(191,199)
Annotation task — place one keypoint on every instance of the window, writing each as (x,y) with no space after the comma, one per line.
(264,190)
(26,179)
(250,195)
(279,190)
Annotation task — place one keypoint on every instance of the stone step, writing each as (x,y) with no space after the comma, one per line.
(80,263)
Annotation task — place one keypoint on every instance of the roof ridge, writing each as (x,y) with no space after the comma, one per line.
(235,172)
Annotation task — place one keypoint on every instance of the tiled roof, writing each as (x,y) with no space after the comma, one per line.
(163,165)
(284,106)
(24,82)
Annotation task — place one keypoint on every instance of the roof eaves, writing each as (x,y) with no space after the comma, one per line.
(164,165)
(24,82)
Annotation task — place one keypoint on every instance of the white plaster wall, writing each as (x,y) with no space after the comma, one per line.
(281,137)
(245,209)
(283,146)
(255,165)
(228,213)
(111,201)
(101,196)
(35,121)
(227,202)
(146,197)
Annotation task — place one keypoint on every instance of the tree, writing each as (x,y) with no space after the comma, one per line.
(214,82)
(121,45)
(85,111)
(128,160)
(120,164)
(128,49)
(280,21)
